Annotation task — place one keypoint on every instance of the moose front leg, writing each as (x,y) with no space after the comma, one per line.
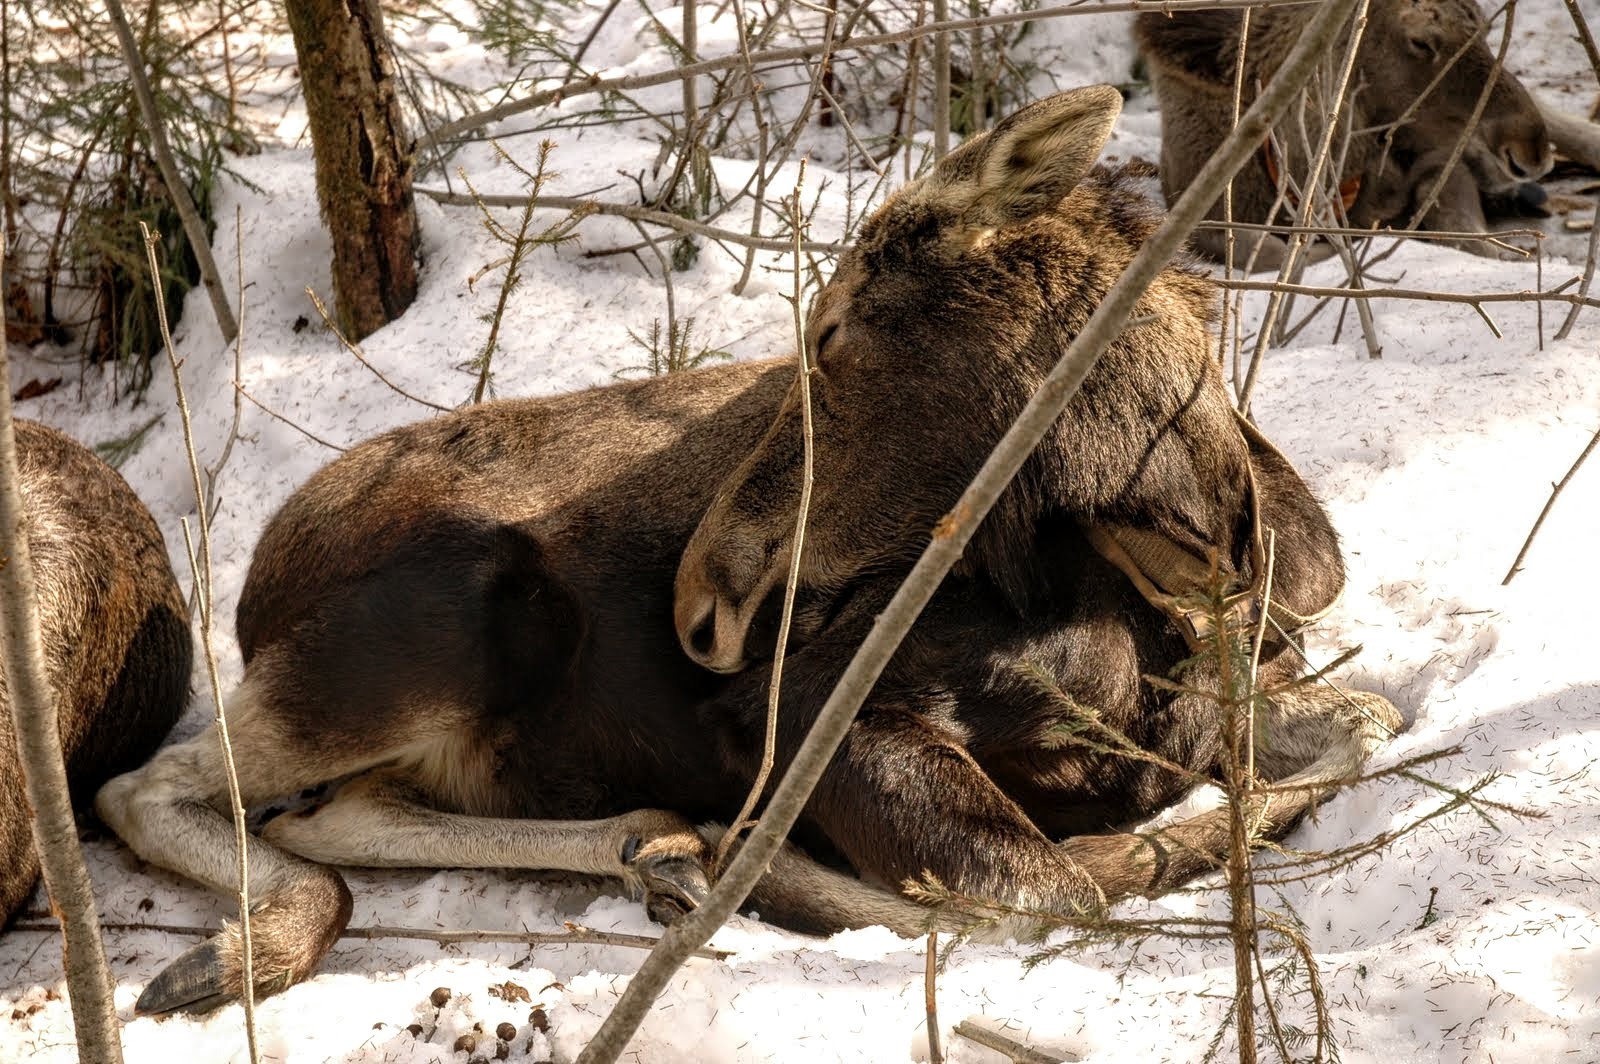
(382,819)
(903,800)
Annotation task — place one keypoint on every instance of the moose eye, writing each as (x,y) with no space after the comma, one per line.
(1422,48)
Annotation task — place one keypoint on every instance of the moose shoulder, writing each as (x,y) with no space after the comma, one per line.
(1419,72)
(113,626)
(537,631)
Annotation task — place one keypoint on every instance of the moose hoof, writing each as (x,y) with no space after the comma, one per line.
(196,982)
(673,887)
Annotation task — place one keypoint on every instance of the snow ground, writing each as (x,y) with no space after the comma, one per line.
(1433,462)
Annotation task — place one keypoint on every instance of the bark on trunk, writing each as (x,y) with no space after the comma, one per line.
(363,158)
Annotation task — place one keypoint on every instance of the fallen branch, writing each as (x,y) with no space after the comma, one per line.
(574,935)
(989,1038)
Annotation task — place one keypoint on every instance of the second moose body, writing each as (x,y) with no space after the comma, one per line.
(482,614)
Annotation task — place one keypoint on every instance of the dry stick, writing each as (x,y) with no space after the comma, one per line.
(1581,24)
(1241,891)
(575,935)
(202,576)
(348,345)
(193,227)
(1010,1047)
(302,430)
(38,726)
(214,470)
(1228,318)
(636,214)
(951,535)
(1555,295)
(941,83)
(1255,648)
(594,84)
(930,997)
(1516,566)
(1493,238)
(769,745)
(1588,274)
(1291,260)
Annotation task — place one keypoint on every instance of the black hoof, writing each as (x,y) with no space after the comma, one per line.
(674,887)
(193,982)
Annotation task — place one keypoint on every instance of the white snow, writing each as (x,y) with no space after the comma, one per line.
(1433,463)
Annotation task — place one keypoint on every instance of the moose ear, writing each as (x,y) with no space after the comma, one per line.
(1030,161)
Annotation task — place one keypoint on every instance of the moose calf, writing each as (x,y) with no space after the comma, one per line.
(537,631)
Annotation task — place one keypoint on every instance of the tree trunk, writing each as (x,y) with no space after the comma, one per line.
(363,158)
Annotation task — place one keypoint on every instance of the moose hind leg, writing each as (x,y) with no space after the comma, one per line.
(385,819)
(171,811)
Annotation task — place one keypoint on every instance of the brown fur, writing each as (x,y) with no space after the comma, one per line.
(1192,57)
(481,607)
(114,628)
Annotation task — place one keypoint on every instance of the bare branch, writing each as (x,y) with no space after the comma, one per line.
(201,569)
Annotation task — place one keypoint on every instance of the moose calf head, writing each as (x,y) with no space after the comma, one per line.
(957,298)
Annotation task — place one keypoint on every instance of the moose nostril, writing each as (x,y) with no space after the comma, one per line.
(702,637)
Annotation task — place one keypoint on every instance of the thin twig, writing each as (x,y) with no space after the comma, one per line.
(202,576)
(1581,24)
(265,409)
(951,536)
(355,350)
(803,378)
(930,997)
(1516,566)
(1588,274)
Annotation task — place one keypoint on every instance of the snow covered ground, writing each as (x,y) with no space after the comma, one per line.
(1469,940)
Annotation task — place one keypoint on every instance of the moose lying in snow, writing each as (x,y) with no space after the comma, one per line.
(1419,72)
(476,613)
(114,629)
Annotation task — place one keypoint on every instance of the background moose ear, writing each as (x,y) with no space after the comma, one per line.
(1030,161)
